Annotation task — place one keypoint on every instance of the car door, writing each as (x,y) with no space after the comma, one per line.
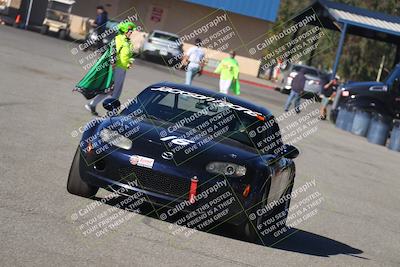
(395,95)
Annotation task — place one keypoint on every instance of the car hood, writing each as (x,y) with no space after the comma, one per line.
(361,86)
(153,138)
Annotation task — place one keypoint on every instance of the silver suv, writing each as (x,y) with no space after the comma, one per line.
(315,79)
(162,45)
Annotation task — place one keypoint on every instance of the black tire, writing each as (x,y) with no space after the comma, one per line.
(248,230)
(142,56)
(62,34)
(44,29)
(75,184)
(284,91)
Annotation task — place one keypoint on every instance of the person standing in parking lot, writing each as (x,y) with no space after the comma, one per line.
(328,93)
(101,20)
(194,59)
(228,69)
(107,76)
(296,91)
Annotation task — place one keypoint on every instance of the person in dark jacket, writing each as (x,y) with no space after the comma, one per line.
(101,20)
(328,94)
(296,92)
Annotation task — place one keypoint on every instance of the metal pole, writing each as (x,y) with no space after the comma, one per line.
(378,77)
(311,56)
(28,16)
(294,36)
(335,66)
(339,50)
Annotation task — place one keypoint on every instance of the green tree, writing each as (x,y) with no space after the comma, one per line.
(361,57)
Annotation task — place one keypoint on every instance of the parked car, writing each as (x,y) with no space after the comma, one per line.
(315,79)
(162,45)
(179,144)
(58,18)
(9,10)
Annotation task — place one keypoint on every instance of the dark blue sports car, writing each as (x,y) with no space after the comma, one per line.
(207,156)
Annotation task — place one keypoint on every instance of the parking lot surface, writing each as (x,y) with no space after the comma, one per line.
(356,224)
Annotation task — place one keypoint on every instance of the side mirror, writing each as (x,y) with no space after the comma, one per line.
(396,84)
(290,152)
(111,104)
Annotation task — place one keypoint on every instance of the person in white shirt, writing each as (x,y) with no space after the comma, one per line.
(195,57)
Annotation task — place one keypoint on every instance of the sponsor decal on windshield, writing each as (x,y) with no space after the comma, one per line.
(218,102)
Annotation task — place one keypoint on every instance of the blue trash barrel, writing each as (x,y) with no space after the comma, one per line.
(395,137)
(344,118)
(340,118)
(378,130)
(348,121)
(361,122)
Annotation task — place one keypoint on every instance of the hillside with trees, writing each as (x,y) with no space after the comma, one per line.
(361,57)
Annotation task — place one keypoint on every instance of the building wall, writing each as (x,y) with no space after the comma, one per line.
(182,17)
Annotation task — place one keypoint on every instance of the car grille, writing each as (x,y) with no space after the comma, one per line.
(156,182)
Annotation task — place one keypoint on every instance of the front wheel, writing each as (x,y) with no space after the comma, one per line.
(75,184)
(250,230)
(62,34)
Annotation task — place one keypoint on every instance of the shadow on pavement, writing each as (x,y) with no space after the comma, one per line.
(313,244)
(300,241)
(295,240)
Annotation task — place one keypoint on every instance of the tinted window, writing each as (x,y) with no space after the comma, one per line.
(307,70)
(188,110)
(164,36)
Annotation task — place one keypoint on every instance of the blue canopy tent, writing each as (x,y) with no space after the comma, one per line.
(356,21)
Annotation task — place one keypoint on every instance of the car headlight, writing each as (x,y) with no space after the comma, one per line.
(226,168)
(116,139)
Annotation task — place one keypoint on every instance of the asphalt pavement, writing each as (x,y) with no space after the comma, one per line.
(355,224)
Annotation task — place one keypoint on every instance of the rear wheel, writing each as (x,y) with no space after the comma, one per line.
(44,29)
(75,184)
(283,90)
(142,55)
(62,34)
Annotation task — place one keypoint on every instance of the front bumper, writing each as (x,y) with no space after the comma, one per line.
(168,186)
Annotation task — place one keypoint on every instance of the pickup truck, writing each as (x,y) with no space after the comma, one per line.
(379,97)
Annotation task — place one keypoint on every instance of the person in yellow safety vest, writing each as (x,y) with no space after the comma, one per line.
(228,69)
(124,60)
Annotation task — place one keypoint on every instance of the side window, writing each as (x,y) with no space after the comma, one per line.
(168,101)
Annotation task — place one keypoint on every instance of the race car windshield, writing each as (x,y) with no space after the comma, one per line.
(182,112)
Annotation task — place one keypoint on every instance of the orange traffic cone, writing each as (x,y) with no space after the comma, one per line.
(18,19)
